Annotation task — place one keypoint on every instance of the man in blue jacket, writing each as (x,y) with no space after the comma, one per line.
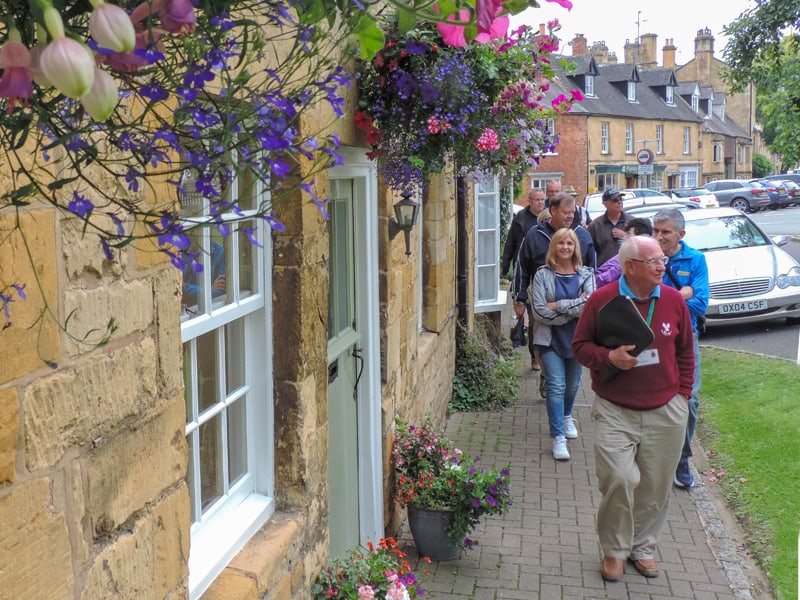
(533,251)
(687,272)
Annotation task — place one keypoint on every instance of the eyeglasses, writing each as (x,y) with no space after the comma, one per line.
(653,261)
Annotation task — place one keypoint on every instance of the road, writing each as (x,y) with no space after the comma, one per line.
(773,338)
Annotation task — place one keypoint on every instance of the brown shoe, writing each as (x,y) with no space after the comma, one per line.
(534,365)
(646,567)
(612,568)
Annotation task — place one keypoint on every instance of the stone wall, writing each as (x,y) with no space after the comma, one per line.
(93,502)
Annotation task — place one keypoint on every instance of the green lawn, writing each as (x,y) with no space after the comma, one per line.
(750,428)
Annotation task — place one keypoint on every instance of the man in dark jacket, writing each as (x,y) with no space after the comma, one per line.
(520,224)
(608,230)
(533,250)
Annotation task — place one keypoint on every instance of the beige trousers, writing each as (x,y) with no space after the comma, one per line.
(636,452)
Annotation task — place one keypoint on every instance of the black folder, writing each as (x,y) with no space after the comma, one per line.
(619,323)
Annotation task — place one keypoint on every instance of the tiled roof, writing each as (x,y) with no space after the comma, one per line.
(611,91)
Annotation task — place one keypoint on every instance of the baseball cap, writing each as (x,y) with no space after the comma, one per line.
(611,194)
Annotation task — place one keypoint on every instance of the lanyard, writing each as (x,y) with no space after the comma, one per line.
(650,311)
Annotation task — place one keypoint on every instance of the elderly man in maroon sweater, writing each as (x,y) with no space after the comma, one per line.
(640,414)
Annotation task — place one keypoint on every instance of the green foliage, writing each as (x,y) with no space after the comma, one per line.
(759,453)
(486,365)
(762,166)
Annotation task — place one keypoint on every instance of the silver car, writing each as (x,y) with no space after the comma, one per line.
(750,278)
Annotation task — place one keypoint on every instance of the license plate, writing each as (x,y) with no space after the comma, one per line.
(742,307)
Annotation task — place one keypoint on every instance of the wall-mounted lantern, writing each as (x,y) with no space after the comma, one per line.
(405,212)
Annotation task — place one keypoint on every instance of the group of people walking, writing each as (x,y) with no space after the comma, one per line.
(646,398)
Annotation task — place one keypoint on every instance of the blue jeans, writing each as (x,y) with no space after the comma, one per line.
(562,378)
(694,405)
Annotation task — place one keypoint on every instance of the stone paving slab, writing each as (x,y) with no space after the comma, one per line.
(546,545)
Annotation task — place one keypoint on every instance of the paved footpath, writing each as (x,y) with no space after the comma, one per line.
(546,546)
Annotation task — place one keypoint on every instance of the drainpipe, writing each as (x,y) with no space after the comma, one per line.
(462,261)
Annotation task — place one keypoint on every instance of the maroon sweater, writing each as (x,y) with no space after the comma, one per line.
(649,386)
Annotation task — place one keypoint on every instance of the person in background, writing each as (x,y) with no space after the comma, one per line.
(581,213)
(639,414)
(552,188)
(611,270)
(560,289)
(520,224)
(533,252)
(607,230)
(687,272)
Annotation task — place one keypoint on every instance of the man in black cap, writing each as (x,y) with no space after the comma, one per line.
(608,230)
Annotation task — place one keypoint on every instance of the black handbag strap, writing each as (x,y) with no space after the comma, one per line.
(672,277)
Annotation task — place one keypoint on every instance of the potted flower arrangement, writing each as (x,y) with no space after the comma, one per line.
(484,106)
(440,484)
(369,571)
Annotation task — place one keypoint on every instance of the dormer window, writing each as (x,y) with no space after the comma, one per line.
(695,103)
(670,95)
(589,86)
(631,91)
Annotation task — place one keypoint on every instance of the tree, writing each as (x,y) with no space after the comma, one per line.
(762,166)
(760,52)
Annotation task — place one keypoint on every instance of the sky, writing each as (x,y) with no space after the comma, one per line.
(615,21)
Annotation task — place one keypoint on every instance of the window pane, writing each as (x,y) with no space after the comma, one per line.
(188,384)
(487,283)
(486,252)
(237,440)
(207,356)
(211,482)
(487,217)
(247,279)
(191,474)
(234,356)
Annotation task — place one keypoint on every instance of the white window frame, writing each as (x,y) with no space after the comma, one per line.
(670,95)
(695,103)
(687,140)
(717,152)
(689,176)
(631,91)
(628,138)
(550,124)
(488,295)
(221,529)
(659,139)
(739,153)
(589,91)
(604,141)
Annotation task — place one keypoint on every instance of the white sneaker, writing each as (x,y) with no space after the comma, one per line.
(560,451)
(570,431)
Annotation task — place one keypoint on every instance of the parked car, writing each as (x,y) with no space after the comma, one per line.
(778,196)
(794,176)
(647,212)
(631,198)
(701,196)
(750,277)
(739,194)
(793,189)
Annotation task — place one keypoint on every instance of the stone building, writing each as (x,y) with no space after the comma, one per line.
(224,445)
(696,130)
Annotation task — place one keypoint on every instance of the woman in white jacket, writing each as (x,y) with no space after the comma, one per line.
(559,291)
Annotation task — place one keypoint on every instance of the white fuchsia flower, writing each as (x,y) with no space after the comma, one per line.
(67,63)
(102,99)
(111,27)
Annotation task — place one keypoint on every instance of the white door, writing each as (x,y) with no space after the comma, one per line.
(344,356)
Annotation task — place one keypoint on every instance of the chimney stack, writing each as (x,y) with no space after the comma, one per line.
(647,56)
(668,52)
(580,47)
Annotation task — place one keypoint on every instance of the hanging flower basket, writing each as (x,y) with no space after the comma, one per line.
(484,106)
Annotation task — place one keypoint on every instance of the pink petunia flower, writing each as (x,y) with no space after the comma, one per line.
(453,35)
(488,141)
(563,3)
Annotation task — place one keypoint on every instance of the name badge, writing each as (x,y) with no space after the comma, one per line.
(648,357)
